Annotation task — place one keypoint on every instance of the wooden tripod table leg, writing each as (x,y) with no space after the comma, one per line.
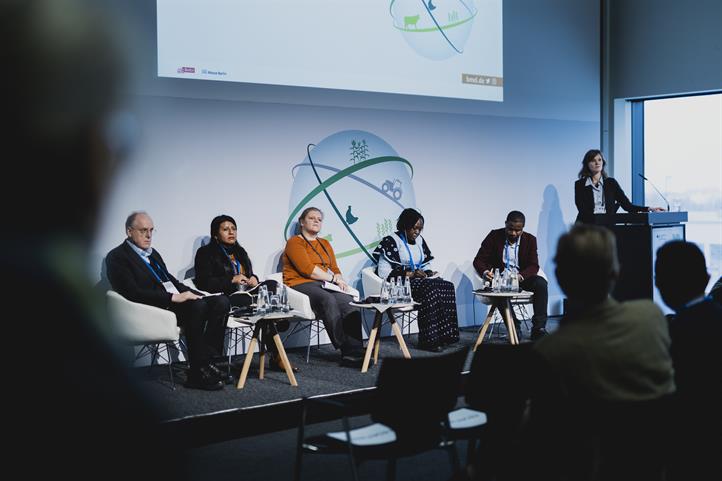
(513,339)
(284,358)
(485,326)
(399,336)
(371,342)
(247,362)
(377,346)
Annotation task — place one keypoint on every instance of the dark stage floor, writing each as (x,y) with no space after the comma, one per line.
(321,376)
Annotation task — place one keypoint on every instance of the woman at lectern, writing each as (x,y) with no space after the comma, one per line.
(597,193)
(309,266)
(406,254)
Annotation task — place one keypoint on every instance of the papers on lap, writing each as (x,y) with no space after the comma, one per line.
(333,287)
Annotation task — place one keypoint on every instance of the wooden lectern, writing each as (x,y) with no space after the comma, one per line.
(639,235)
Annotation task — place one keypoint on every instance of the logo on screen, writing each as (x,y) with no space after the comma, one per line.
(435,29)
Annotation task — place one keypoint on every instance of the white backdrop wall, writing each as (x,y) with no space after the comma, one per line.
(203,154)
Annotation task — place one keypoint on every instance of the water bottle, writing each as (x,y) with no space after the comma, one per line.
(384,295)
(495,281)
(284,299)
(392,291)
(407,290)
(261,301)
(515,280)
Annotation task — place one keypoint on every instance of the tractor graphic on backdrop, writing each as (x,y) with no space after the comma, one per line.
(392,188)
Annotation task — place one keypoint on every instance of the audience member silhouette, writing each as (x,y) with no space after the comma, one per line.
(76,412)
(696,333)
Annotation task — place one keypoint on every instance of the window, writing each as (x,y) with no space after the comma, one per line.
(682,156)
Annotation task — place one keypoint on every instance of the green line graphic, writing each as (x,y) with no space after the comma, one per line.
(435,29)
(332,180)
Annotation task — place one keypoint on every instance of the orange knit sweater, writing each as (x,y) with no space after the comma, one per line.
(299,259)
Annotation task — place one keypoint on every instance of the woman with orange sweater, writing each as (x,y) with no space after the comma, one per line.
(308,262)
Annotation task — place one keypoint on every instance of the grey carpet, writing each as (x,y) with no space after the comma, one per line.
(322,375)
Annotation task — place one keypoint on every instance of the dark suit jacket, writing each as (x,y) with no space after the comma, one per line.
(491,254)
(130,277)
(213,270)
(696,334)
(614,197)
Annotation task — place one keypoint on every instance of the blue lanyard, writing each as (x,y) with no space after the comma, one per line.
(153,271)
(516,249)
(236,264)
(411,257)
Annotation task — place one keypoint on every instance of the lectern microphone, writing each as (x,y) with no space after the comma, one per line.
(655,188)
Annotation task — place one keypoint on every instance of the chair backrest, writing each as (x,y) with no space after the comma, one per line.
(542,274)
(414,396)
(276,276)
(138,323)
(501,379)
(370,281)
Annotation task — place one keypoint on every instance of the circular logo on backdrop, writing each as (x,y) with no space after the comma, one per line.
(360,183)
(435,29)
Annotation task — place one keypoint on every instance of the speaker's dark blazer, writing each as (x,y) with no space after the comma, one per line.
(130,277)
(614,197)
(491,254)
(213,269)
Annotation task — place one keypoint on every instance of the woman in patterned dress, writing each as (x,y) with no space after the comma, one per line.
(405,253)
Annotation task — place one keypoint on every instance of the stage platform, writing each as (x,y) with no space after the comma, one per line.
(195,417)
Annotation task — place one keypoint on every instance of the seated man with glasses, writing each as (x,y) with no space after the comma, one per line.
(137,272)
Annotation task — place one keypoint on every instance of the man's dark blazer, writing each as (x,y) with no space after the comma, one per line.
(130,277)
(696,334)
(491,254)
(614,197)
(213,270)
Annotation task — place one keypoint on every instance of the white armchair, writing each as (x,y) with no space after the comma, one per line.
(371,283)
(301,303)
(297,300)
(146,326)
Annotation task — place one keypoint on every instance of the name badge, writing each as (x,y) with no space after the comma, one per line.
(170,288)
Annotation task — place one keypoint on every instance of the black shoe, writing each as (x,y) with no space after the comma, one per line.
(538,333)
(429,348)
(352,357)
(222,375)
(204,379)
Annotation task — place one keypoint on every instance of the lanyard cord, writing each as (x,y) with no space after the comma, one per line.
(235,264)
(149,264)
(323,262)
(516,249)
(408,249)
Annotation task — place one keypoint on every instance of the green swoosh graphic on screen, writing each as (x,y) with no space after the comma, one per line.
(332,180)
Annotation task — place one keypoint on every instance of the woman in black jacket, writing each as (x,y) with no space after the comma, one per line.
(597,193)
(223,265)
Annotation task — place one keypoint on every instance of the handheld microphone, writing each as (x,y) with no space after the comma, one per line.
(655,188)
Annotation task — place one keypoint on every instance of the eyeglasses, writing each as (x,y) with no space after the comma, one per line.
(145,230)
